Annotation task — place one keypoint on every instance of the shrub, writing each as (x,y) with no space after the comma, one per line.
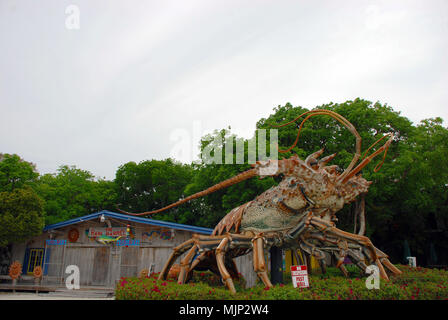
(413,284)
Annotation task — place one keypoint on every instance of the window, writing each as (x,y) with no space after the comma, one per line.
(35,258)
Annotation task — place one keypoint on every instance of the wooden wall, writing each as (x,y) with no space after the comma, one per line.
(103,265)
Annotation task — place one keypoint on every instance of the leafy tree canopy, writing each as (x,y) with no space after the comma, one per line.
(21,215)
(15,172)
(73,192)
(153,184)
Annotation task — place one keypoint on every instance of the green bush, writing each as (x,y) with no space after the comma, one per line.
(150,288)
(413,284)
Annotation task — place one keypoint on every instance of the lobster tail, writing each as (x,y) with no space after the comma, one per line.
(224,184)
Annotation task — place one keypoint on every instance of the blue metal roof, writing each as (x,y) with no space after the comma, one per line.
(126,217)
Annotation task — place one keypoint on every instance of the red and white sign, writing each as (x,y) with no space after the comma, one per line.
(299,276)
(111,232)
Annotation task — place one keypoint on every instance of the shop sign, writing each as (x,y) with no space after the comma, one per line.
(56,242)
(109,232)
(127,242)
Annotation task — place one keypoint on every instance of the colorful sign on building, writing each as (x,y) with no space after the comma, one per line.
(109,232)
(59,242)
(127,242)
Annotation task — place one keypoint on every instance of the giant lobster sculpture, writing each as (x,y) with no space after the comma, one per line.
(299,213)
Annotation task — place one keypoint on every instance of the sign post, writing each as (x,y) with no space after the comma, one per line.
(299,276)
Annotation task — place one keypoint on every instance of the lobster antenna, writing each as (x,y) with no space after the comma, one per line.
(337,117)
(224,184)
(366,161)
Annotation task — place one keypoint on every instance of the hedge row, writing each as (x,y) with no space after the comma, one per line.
(413,284)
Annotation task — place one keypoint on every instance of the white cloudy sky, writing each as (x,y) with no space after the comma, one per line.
(137,73)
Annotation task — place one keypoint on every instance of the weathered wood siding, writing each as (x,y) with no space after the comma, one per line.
(83,258)
(103,265)
(246,268)
(100,264)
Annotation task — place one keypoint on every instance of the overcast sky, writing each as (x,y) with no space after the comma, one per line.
(136,74)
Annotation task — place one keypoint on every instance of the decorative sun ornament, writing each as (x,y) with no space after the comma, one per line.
(37,272)
(73,235)
(15,270)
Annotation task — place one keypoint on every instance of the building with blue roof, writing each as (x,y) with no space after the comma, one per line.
(105,246)
(124,217)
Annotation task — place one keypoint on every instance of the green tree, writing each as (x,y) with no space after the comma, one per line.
(15,172)
(420,203)
(151,185)
(21,215)
(73,192)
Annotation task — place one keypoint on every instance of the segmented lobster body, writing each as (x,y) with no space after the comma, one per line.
(307,188)
(302,193)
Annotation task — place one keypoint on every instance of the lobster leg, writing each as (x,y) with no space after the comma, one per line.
(217,263)
(311,249)
(259,261)
(339,249)
(343,270)
(177,251)
(299,259)
(357,259)
(384,260)
(390,266)
(326,227)
(323,266)
(220,253)
(343,248)
(185,263)
(197,260)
